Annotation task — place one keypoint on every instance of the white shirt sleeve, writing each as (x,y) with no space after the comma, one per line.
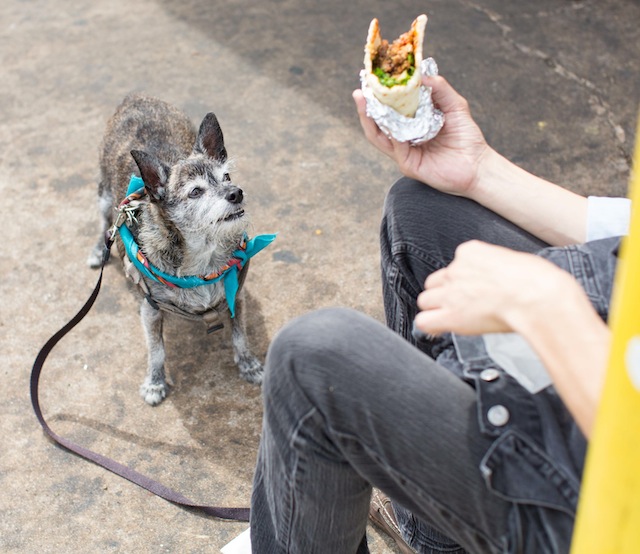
(607,217)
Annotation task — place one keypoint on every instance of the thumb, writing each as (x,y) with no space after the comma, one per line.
(444,95)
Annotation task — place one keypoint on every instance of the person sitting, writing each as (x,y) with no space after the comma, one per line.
(475,425)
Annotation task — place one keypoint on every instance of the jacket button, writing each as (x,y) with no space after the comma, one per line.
(489,375)
(498,415)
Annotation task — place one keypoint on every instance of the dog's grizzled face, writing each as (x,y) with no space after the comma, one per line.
(196,194)
(200,199)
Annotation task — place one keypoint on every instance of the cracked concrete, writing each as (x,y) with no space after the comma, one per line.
(598,100)
(553,84)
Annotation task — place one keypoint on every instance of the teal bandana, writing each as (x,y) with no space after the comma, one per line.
(228,273)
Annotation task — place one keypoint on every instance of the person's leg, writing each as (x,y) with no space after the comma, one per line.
(349,405)
(420,231)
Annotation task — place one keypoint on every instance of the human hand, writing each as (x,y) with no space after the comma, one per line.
(449,162)
(491,289)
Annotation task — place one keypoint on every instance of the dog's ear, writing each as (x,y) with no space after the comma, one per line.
(153,173)
(210,140)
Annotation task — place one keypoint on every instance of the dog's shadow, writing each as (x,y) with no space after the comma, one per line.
(217,407)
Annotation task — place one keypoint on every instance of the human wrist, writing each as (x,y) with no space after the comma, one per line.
(490,169)
(556,299)
(573,343)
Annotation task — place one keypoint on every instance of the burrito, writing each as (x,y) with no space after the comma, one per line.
(393,70)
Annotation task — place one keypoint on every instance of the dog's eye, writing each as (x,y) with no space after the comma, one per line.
(195,193)
(226,177)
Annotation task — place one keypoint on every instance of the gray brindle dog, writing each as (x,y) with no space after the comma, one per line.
(190,221)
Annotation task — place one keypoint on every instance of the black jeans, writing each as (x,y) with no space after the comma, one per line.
(421,229)
(350,404)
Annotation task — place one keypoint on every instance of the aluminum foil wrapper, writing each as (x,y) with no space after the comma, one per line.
(418,129)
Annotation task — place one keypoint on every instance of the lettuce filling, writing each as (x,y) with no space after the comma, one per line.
(388,80)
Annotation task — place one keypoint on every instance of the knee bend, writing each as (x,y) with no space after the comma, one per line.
(405,210)
(404,192)
(311,341)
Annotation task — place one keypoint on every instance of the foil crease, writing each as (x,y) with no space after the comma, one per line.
(426,123)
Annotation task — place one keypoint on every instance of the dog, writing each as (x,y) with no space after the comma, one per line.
(189,220)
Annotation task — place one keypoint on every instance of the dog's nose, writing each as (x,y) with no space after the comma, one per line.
(234,195)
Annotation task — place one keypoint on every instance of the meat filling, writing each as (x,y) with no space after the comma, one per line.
(396,58)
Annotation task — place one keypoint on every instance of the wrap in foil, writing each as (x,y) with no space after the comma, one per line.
(426,123)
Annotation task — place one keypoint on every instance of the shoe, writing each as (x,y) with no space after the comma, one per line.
(382,515)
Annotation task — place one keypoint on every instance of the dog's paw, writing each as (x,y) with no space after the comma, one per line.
(153,394)
(94,260)
(251,370)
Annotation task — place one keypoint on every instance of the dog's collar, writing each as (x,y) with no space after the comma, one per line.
(228,273)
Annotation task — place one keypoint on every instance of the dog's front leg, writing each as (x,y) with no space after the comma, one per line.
(154,388)
(250,367)
(105,205)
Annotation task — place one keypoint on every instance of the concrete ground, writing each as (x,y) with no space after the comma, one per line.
(554,84)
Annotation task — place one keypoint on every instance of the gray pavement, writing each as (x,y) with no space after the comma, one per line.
(554,84)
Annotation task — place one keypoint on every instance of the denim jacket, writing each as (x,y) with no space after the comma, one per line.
(537,456)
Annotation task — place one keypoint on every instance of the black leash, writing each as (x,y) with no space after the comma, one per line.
(237,514)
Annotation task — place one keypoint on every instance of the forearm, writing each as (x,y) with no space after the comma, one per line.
(573,344)
(547,211)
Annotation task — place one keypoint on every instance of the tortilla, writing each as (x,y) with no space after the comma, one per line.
(403,98)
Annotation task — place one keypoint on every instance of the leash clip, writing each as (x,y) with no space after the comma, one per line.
(110,236)
(111,233)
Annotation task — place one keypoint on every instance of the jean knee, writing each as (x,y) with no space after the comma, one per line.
(312,342)
(402,193)
(405,213)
